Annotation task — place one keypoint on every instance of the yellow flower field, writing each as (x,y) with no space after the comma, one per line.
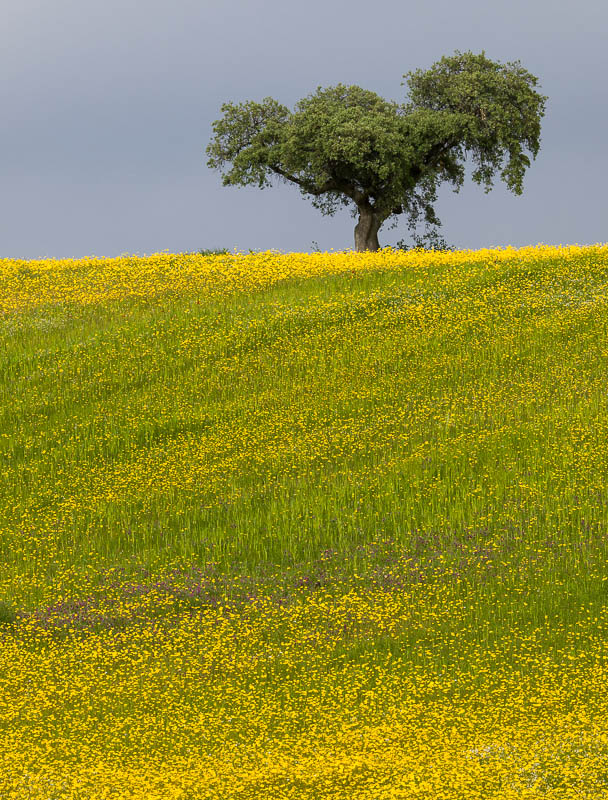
(326,525)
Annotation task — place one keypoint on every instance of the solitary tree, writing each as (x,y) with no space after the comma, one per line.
(348,145)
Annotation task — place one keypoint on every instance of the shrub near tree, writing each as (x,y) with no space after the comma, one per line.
(346,145)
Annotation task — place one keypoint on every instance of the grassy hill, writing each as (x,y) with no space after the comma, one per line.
(304,525)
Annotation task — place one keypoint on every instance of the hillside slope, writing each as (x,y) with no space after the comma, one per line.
(327,523)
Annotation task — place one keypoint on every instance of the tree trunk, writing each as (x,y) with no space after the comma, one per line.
(366,230)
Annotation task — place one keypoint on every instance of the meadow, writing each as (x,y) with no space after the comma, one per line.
(328,525)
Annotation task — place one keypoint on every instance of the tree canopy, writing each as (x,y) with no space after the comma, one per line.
(345,145)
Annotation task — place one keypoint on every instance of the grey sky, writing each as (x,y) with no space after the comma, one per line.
(107,107)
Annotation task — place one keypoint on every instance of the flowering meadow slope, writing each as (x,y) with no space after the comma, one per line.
(299,526)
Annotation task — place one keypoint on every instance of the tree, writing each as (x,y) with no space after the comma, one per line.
(347,145)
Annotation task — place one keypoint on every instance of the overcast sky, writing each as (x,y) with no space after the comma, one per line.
(107,108)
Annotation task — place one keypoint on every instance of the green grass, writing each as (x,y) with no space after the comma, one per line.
(325,419)
(442,425)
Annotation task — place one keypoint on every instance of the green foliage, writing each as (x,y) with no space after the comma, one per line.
(430,241)
(218,252)
(496,109)
(213,252)
(345,145)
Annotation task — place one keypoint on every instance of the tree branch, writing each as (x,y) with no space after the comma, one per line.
(439,150)
(332,185)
